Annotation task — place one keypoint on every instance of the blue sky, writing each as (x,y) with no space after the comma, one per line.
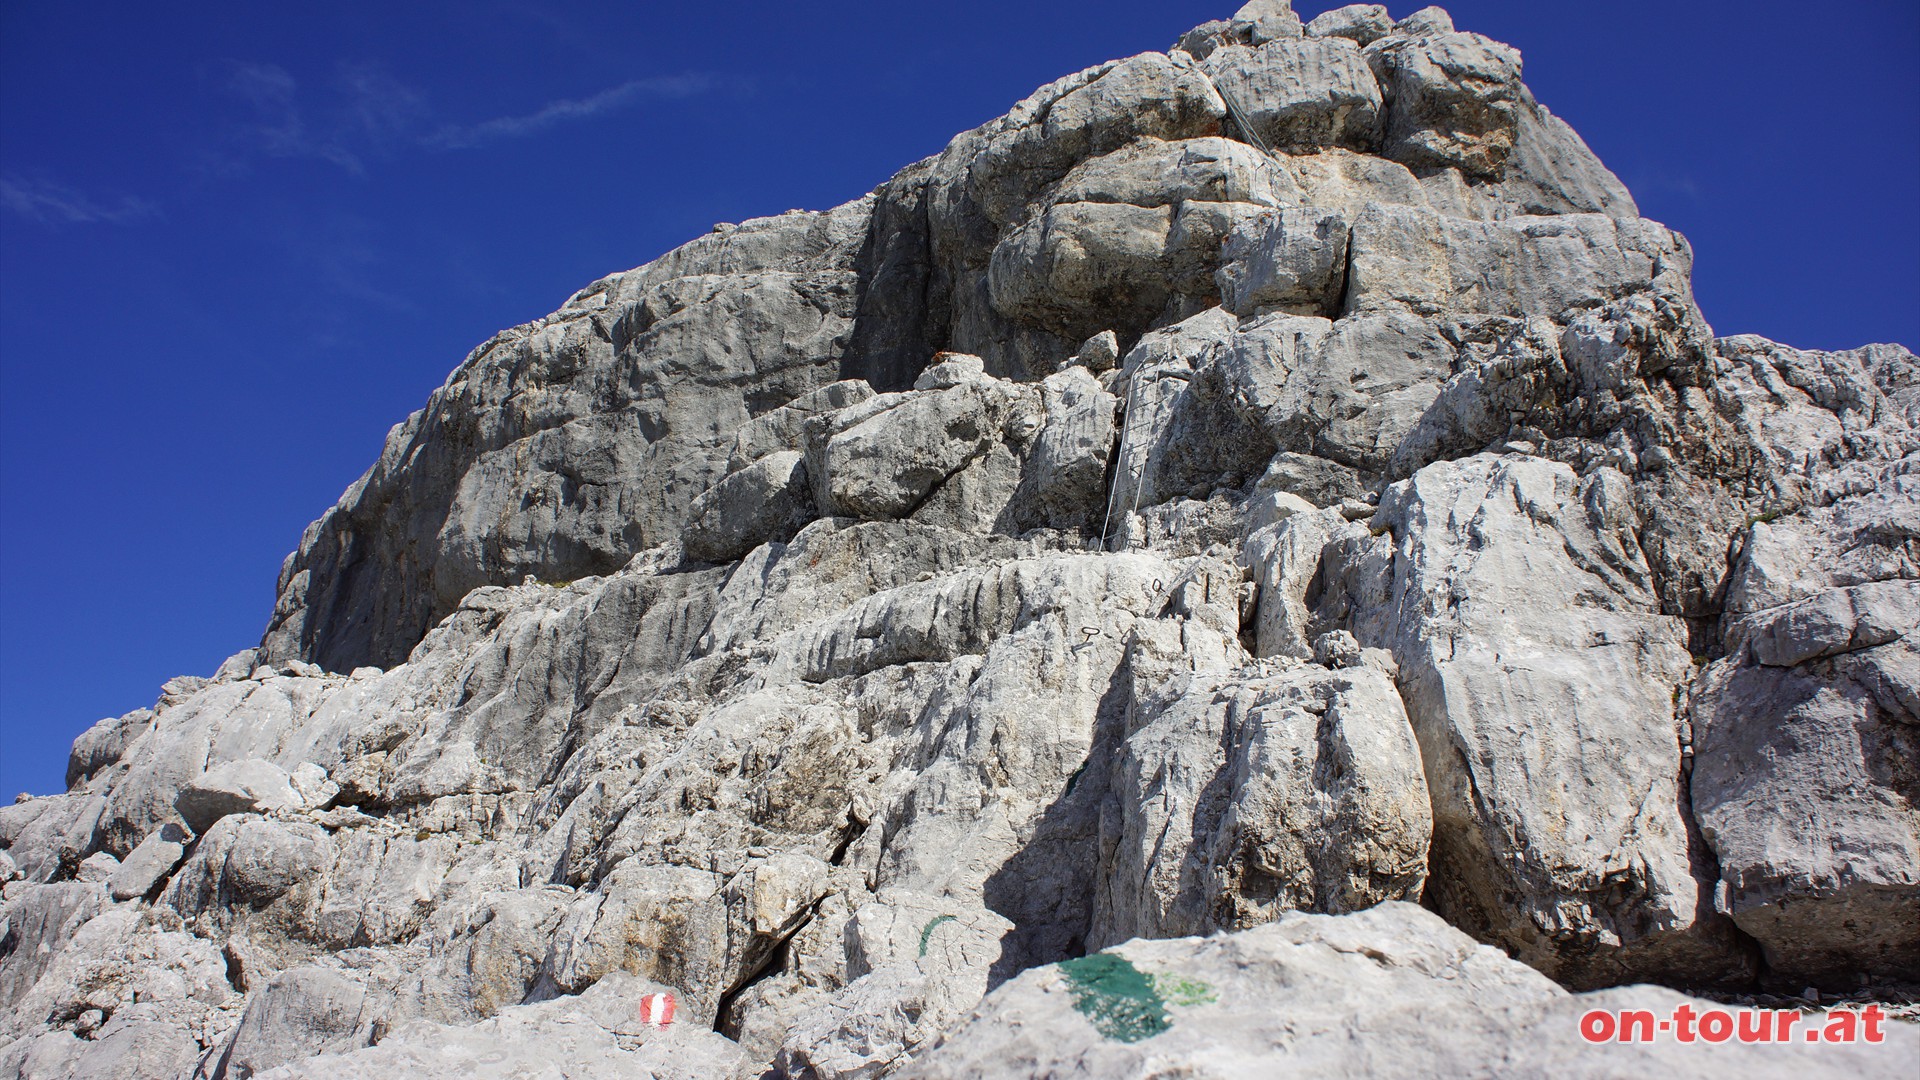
(240,241)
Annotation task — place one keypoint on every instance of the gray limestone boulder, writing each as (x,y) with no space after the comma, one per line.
(1266,20)
(1081,266)
(301,1012)
(1180,433)
(1802,737)
(1157,172)
(1127,233)
(1292,260)
(125,965)
(1550,171)
(1341,180)
(596,1034)
(1363,24)
(949,370)
(41,920)
(97,867)
(1285,560)
(238,719)
(1431,263)
(1146,95)
(1301,93)
(1243,795)
(1066,473)
(1098,353)
(1200,42)
(1347,391)
(903,452)
(1452,100)
(1428,20)
(1520,610)
(103,744)
(48,837)
(250,860)
(916,963)
(1392,991)
(1833,622)
(1256,23)
(121,1048)
(1797,781)
(236,787)
(993,180)
(149,865)
(660,922)
(784,428)
(768,500)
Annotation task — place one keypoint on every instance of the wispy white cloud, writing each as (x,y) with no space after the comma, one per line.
(278,128)
(369,114)
(657,88)
(376,106)
(57,204)
(268,87)
(362,115)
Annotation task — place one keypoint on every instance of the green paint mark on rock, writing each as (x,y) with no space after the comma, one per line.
(1125,1003)
(928,931)
(1118,998)
(1181,991)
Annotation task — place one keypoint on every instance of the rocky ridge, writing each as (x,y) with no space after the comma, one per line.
(1278,475)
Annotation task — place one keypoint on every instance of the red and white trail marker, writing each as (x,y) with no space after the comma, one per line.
(656,1009)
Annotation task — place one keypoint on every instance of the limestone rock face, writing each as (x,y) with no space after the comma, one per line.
(1520,613)
(1240,798)
(1246,491)
(916,966)
(560,448)
(1301,92)
(1392,991)
(150,863)
(1293,260)
(235,787)
(1363,24)
(1456,97)
(597,1034)
(102,744)
(769,499)
(1811,715)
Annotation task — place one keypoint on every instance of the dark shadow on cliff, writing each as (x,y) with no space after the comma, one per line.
(899,319)
(1047,888)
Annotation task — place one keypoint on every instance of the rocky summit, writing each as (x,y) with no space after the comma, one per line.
(1252,560)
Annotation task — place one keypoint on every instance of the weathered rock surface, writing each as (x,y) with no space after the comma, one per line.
(769,499)
(1301,92)
(917,963)
(1521,614)
(1107,529)
(560,448)
(596,1034)
(1393,991)
(150,863)
(103,744)
(1804,739)
(236,787)
(1363,24)
(1243,796)
(302,1012)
